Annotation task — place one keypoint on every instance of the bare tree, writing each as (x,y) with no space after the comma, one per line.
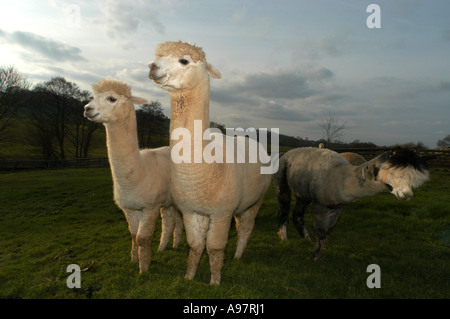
(331,128)
(220,126)
(80,130)
(150,118)
(57,112)
(12,83)
(445,142)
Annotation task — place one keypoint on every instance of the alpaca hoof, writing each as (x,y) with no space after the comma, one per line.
(307,237)
(214,282)
(188,277)
(317,255)
(282,233)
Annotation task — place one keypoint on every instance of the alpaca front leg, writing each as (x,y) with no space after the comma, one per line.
(324,220)
(144,238)
(133,218)
(196,227)
(216,241)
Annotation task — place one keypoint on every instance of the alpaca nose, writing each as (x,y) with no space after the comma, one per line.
(153,66)
(88,108)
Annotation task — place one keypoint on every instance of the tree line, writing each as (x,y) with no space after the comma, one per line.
(56,125)
(54,113)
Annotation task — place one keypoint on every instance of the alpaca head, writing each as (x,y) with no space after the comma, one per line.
(180,66)
(112,101)
(402,170)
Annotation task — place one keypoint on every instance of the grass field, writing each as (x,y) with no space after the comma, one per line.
(51,219)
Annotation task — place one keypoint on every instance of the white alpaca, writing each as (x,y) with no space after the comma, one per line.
(330,182)
(208,194)
(141,177)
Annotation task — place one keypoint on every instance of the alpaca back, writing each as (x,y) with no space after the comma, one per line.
(311,173)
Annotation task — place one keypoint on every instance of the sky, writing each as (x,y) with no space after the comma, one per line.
(284,64)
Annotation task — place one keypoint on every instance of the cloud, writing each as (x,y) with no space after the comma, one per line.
(121,19)
(279,111)
(283,94)
(50,49)
(276,84)
(336,44)
(446,35)
(277,87)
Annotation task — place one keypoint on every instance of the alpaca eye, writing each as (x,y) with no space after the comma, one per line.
(183,61)
(112,99)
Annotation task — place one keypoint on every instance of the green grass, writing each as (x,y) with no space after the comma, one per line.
(51,219)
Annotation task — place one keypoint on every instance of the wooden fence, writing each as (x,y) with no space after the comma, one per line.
(10,165)
(438,158)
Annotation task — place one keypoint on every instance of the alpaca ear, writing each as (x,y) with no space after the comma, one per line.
(138,100)
(212,71)
(371,172)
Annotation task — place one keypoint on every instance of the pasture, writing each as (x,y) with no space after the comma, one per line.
(50,219)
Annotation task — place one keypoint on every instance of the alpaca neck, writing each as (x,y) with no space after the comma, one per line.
(123,148)
(360,181)
(193,176)
(188,106)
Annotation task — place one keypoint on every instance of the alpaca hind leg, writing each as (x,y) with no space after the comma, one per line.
(144,238)
(298,217)
(324,220)
(168,220)
(216,241)
(179,226)
(133,218)
(284,205)
(245,223)
(196,226)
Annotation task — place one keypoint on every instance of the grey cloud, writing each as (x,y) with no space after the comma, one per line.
(278,84)
(277,94)
(123,18)
(278,111)
(446,35)
(285,86)
(51,49)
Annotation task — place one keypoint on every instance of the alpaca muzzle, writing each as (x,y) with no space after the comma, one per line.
(403,195)
(153,74)
(89,112)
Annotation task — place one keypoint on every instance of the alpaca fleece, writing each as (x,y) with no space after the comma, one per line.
(106,85)
(180,49)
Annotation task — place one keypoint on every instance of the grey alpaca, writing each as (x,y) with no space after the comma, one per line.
(328,181)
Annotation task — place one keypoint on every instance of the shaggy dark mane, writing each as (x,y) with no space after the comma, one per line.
(403,157)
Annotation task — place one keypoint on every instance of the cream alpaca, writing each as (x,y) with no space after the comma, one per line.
(330,182)
(141,177)
(353,158)
(208,194)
